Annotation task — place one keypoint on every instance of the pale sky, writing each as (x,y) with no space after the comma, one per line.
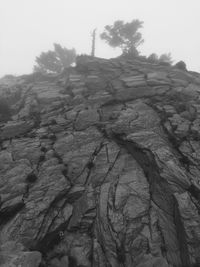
(29,27)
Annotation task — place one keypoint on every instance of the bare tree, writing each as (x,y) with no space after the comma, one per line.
(93,42)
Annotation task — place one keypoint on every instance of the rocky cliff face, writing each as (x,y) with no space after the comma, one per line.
(101,168)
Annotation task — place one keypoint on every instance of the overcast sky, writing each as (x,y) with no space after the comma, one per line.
(29,27)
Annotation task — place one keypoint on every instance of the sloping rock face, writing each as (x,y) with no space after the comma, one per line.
(101,168)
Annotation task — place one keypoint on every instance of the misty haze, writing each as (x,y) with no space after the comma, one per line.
(99,133)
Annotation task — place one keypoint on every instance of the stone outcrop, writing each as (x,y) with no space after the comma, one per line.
(100,167)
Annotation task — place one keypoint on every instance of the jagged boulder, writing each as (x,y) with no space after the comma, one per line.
(100,167)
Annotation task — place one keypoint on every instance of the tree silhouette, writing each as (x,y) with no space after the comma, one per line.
(55,61)
(167,58)
(164,58)
(153,58)
(181,65)
(124,35)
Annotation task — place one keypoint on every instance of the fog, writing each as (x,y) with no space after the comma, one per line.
(29,27)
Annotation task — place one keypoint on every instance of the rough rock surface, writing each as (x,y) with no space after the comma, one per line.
(101,168)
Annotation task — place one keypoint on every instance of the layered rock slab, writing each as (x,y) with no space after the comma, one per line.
(100,167)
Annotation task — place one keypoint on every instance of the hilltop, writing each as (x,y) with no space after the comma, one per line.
(99,166)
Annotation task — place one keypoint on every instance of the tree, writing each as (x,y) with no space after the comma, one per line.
(55,61)
(166,58)
(124,35)
(153,58)
(181,65)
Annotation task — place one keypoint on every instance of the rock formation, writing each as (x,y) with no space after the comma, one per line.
(101,167)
